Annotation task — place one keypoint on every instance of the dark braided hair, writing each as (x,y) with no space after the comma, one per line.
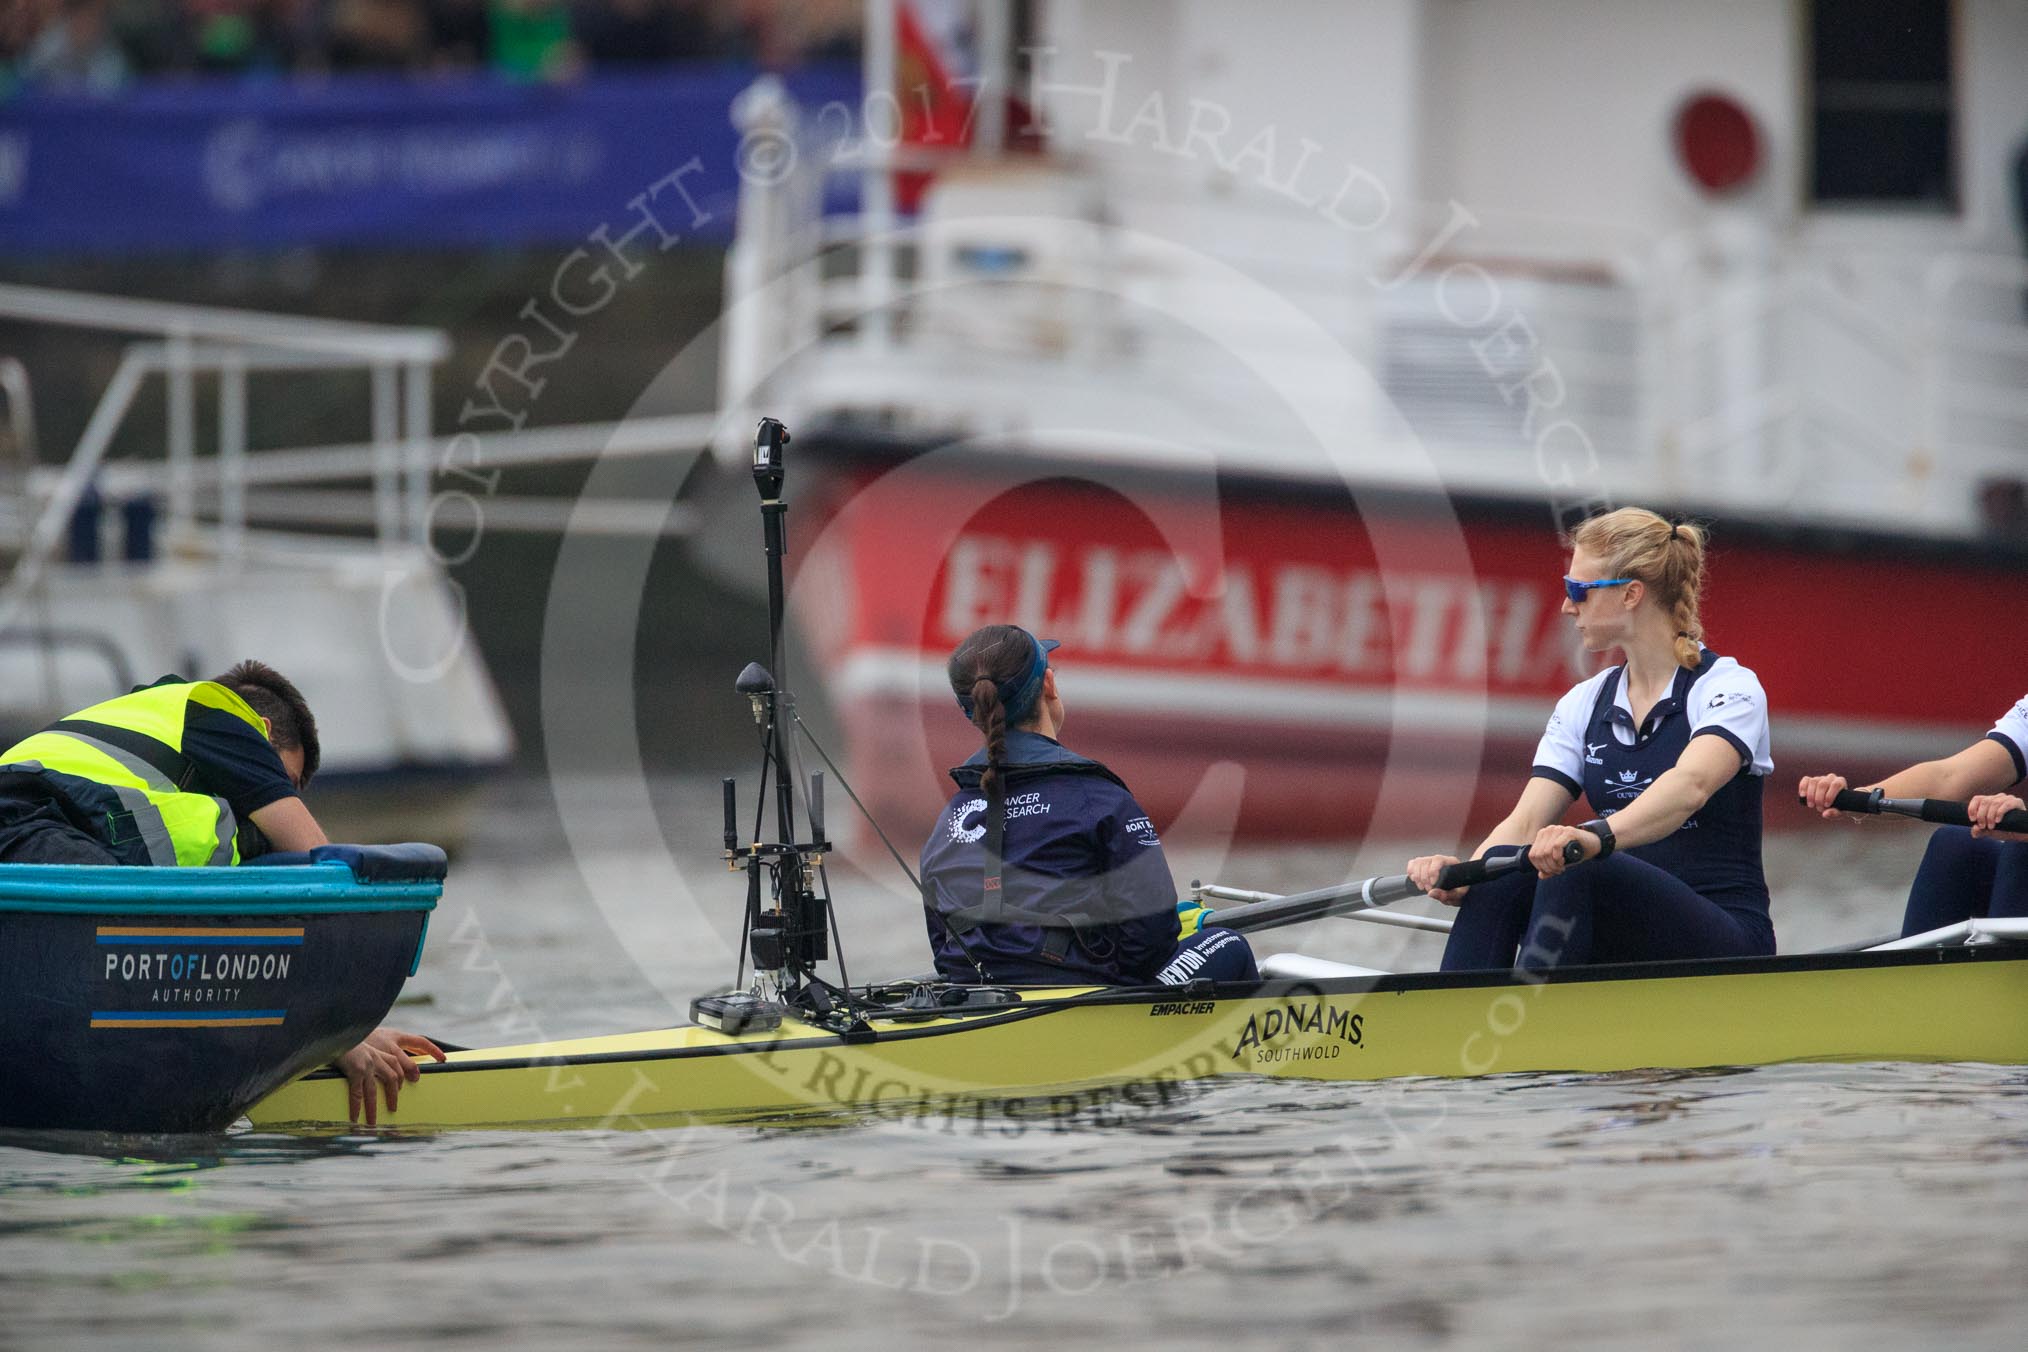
(990,656)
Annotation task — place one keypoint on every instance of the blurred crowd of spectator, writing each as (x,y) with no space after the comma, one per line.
(100,46)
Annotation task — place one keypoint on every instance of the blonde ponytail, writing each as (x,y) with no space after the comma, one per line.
(1668,558)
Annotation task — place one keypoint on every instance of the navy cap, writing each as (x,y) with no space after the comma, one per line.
(1018,696)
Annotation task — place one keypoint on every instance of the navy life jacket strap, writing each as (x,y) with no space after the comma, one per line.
(1057,930)
(964,921)
(996,837)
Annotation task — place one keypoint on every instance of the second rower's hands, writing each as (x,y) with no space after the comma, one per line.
(1423,871)
(382,1064)
(1819,791)
(1986,811)
(1546,854)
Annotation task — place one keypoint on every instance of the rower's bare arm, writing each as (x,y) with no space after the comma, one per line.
(288,825)
(1982,767)
(1542,801)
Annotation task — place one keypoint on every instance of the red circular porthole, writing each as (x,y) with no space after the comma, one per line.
(1717,142)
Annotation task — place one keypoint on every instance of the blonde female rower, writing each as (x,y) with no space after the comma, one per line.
(1670,748)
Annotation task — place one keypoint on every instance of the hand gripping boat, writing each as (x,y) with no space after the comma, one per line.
(792,1043)
(170,999)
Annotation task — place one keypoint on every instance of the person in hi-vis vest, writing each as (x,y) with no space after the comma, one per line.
(184,773)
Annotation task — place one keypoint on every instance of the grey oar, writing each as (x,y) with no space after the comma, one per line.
(1348,898)
(1377,915)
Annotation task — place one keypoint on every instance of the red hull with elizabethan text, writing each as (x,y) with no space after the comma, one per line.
(1266,668)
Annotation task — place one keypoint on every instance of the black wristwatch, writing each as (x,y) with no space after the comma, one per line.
(1597,826)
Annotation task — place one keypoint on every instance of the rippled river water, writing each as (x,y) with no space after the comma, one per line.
(1801,1206)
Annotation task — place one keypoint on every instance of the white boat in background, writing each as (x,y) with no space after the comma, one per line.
(126,568)
(1262,370)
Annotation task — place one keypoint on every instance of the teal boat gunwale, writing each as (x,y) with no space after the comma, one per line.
(301,888)
(397,897)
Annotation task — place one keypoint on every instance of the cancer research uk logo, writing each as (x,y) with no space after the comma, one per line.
(963,813)
(1020,805)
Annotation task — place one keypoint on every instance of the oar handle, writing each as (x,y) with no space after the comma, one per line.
(1942,811)
(1473,871)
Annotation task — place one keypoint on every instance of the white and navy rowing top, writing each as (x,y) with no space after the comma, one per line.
(1591,747)
(2012,732)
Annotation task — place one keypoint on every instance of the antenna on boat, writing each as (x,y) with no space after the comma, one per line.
(786,928)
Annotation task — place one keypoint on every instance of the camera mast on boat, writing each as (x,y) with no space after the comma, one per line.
(788,900)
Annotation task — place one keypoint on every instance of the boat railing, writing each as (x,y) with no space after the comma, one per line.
(1976,377)
(1730,369)
(52,650)
(18,432)
(184,346)
(213,485)
(1965,933)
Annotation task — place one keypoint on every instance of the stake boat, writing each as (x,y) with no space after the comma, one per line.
(169,999)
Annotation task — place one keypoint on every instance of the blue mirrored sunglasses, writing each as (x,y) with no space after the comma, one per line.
(1577,591)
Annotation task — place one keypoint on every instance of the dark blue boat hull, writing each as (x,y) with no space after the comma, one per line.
(170,1000)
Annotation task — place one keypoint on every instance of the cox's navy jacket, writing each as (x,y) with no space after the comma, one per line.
(1086,895)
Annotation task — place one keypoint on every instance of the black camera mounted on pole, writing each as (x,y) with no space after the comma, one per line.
(787,900)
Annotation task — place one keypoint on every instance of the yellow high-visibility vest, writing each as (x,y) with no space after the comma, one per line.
(120,765)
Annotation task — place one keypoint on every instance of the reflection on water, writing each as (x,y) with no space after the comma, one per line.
(1848,1206)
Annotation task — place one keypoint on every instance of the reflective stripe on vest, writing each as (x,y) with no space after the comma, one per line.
(172,826)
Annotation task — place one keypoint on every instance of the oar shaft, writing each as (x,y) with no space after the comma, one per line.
(1349,897)
(1374,915)
(1942,811)
(1300,906)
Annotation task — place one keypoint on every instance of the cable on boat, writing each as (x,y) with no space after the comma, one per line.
(760,813)
(813,808)
(864,811)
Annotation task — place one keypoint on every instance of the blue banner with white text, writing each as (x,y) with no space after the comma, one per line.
(372,161)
